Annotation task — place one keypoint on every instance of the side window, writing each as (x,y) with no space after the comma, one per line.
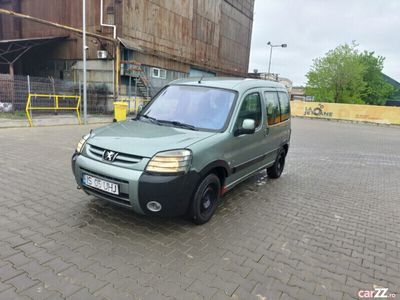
(273,109)
(285,106)
(158,73)
(250,109)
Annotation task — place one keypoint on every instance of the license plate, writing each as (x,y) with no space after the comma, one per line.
(100,184)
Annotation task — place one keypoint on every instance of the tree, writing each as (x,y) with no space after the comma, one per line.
(344,75)
(377,90)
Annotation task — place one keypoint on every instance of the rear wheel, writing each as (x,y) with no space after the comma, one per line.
(275,171)
(205,199)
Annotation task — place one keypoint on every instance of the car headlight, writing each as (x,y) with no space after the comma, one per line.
(81,143)
(173,161)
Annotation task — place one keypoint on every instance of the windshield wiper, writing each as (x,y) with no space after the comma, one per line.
(154,120)
(174,123)
(178,124)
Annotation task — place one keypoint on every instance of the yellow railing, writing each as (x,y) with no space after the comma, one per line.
(55,107)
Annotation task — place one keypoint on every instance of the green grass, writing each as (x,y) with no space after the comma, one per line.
(12,115)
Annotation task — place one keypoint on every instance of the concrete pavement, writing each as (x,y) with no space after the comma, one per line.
(326,229)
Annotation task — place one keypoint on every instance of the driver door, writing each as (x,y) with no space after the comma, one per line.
(248,149)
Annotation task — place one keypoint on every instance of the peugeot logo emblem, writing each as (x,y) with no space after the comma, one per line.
(109,155)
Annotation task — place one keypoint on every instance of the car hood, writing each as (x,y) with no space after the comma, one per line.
(143,138)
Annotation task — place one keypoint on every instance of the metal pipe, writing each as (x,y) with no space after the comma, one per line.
(80,96)
(113,77)
(270,55)
(84,48)
(102,20)
(54,24)
(136,95)
(114,36)
(29,91)
(269,64)
(130,87)
(117,68)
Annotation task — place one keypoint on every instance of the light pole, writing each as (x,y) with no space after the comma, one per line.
(84,61)
(270,54)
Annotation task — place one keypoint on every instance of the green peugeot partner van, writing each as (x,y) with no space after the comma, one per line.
(194,141)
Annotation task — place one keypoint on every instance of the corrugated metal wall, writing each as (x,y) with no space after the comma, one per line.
(209,34)
(67,12)
(214,34)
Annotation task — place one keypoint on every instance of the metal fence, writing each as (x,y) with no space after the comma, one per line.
(14,92)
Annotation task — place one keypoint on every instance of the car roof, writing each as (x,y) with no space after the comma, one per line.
(231,83)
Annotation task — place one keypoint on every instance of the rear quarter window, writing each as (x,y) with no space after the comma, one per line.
(285,106)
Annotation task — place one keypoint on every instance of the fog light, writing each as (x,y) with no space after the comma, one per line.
(154,206)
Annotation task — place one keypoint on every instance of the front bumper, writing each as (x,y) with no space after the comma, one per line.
(137,188)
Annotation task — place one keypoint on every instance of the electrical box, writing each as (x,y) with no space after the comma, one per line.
(102,54)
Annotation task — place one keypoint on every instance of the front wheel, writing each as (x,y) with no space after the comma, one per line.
(275,171)
(205,199)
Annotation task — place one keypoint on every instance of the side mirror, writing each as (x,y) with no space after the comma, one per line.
(248,127)
(140,108)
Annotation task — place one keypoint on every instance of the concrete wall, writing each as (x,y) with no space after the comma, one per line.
(99,73)
(351,112)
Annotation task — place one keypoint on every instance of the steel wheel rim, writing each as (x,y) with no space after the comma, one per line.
(208,199)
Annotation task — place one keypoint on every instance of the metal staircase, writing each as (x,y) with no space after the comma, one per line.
(142,84)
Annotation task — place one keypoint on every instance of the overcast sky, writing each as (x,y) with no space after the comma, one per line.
(313,27)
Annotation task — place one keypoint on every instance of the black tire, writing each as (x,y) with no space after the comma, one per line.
(205,199)
(275,171)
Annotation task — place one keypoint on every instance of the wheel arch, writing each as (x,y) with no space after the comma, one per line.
(286,147)
(220,168)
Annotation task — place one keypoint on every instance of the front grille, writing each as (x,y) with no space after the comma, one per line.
(104,176)
(120,158)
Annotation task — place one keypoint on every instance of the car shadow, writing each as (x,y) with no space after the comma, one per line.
(107,219)
(112,232)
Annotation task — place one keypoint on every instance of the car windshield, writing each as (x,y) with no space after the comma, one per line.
(191,107)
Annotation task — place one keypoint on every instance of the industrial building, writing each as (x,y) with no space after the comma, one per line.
(156,41)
